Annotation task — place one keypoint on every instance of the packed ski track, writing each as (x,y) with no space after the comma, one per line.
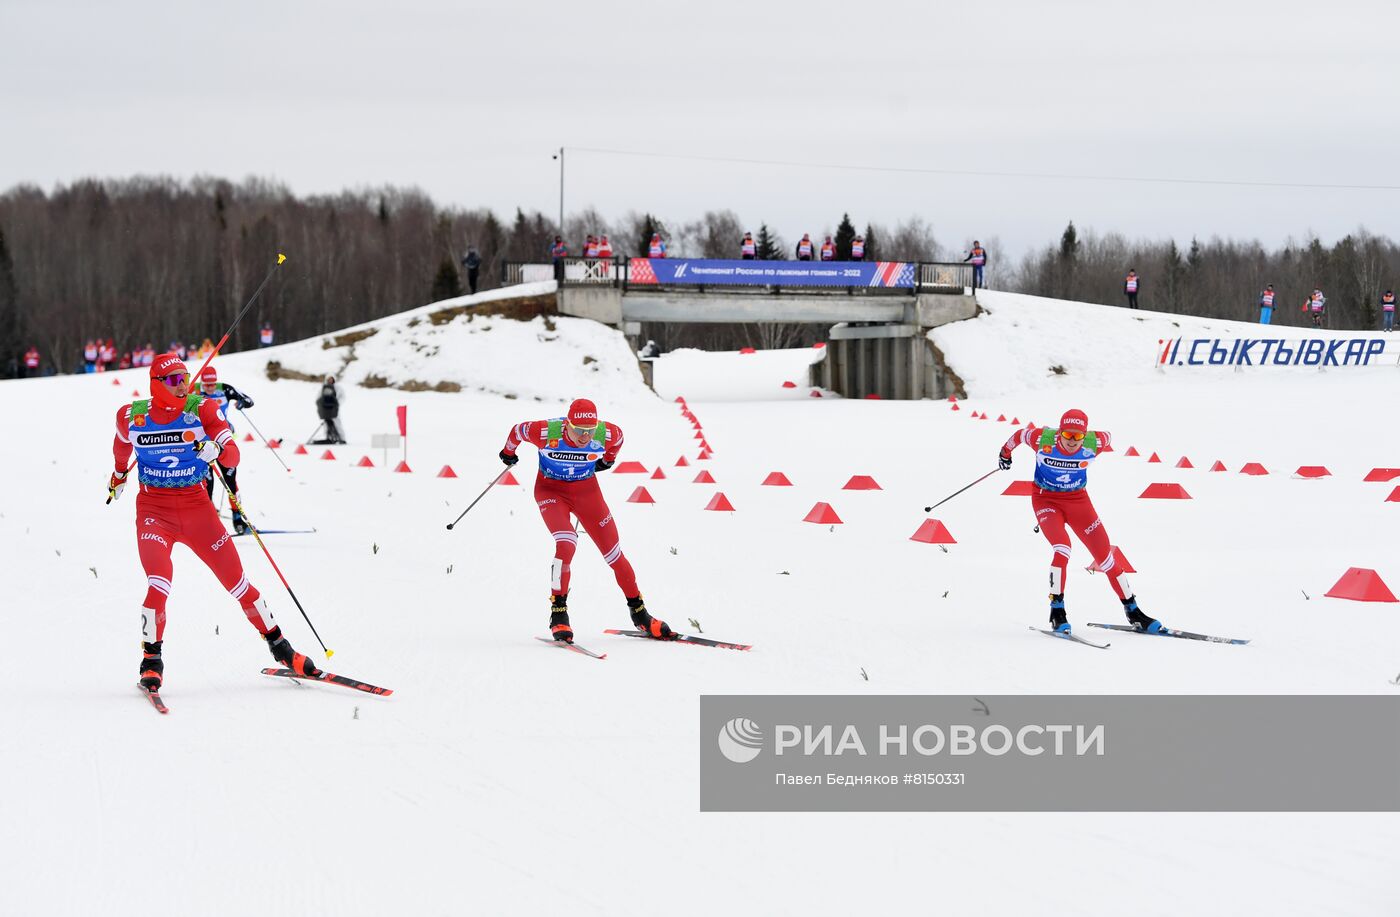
(503,776)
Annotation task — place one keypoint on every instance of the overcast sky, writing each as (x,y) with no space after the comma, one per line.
(469,100)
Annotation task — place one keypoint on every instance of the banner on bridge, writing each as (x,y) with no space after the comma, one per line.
(1349,351)
(691,272)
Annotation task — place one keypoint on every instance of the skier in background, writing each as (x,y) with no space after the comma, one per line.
(1061,498)
(572,449)
(1266,304)
(1317,305)
(175,435)
(221,393)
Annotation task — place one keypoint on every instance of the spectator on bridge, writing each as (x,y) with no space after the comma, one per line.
(858,248)
(604,247)
(590,247)
(1388,311)
(748,249)
(656,248)
(1266,304)
(1130,287)
(828,250)
(557,253)
(804,248)
(472,263)
(978,257)
(31,361)
(1317,305)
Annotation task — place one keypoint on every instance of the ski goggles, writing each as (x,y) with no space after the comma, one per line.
(174,378)
(580,433)
(1072,436)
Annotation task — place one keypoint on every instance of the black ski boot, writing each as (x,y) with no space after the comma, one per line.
(1059,621)
(240,525)
(559,619)
(1138,619)
(644,622)
(282,651)
(152,666)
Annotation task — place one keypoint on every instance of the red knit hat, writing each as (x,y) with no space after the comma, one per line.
(583,413)
(208,375)
(1075,420)
(165,364)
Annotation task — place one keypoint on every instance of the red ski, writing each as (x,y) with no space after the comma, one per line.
(332,679)
(154,698)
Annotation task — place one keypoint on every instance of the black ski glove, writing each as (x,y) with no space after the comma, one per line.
(602,465)
(1004,460)
(245,403)
(509,459)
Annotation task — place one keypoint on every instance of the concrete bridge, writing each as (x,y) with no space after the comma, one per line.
(878,338)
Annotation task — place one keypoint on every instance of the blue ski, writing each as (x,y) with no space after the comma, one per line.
(1072,637)
(1168,632)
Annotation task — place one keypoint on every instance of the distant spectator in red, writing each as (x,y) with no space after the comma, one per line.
(1130,288)
(656,248)
(126,361)
(108,354)
(748,249)
(828,250)
(590,247)
(804,248)
(978,257)
(858,248)
(31,361)
(604,247)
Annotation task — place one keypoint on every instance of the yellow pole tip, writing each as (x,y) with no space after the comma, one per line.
(281,257)
(330,653)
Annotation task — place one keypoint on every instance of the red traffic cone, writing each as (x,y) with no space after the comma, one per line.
(658,474)
(814,394)
(1383,474)
(789,385)
(822,514)
(1132,452)
(1254,468)
(1361,585)
(1184,462)
(364,462)
(1164,492)
(1154,457)
(300,450)
(704,477)
(508,479)
(720,503)
(1218,466)
(933,532)
(682,462)
(747,350)
(861,482)
(630,468)
(1313,471)
(402,468)
(640,495)
(1394,496)
(247,437)
(328,456)
(1019,489)
(446,472)
(776,479)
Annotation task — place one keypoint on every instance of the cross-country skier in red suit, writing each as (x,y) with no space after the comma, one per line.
(1061,500)
(572,450)
(175,436)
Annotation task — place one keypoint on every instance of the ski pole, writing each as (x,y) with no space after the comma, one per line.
(263,438)
(237,507)
(478,499)
(929,509)
(238,318)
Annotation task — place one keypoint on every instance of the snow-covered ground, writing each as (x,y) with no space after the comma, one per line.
(505,776)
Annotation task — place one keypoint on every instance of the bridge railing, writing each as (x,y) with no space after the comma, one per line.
(899,278)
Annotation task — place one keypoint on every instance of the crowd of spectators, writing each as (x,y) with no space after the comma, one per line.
(102,355)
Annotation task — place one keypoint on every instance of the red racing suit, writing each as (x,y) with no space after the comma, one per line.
(566,486)
(169,514)
(1059,510)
